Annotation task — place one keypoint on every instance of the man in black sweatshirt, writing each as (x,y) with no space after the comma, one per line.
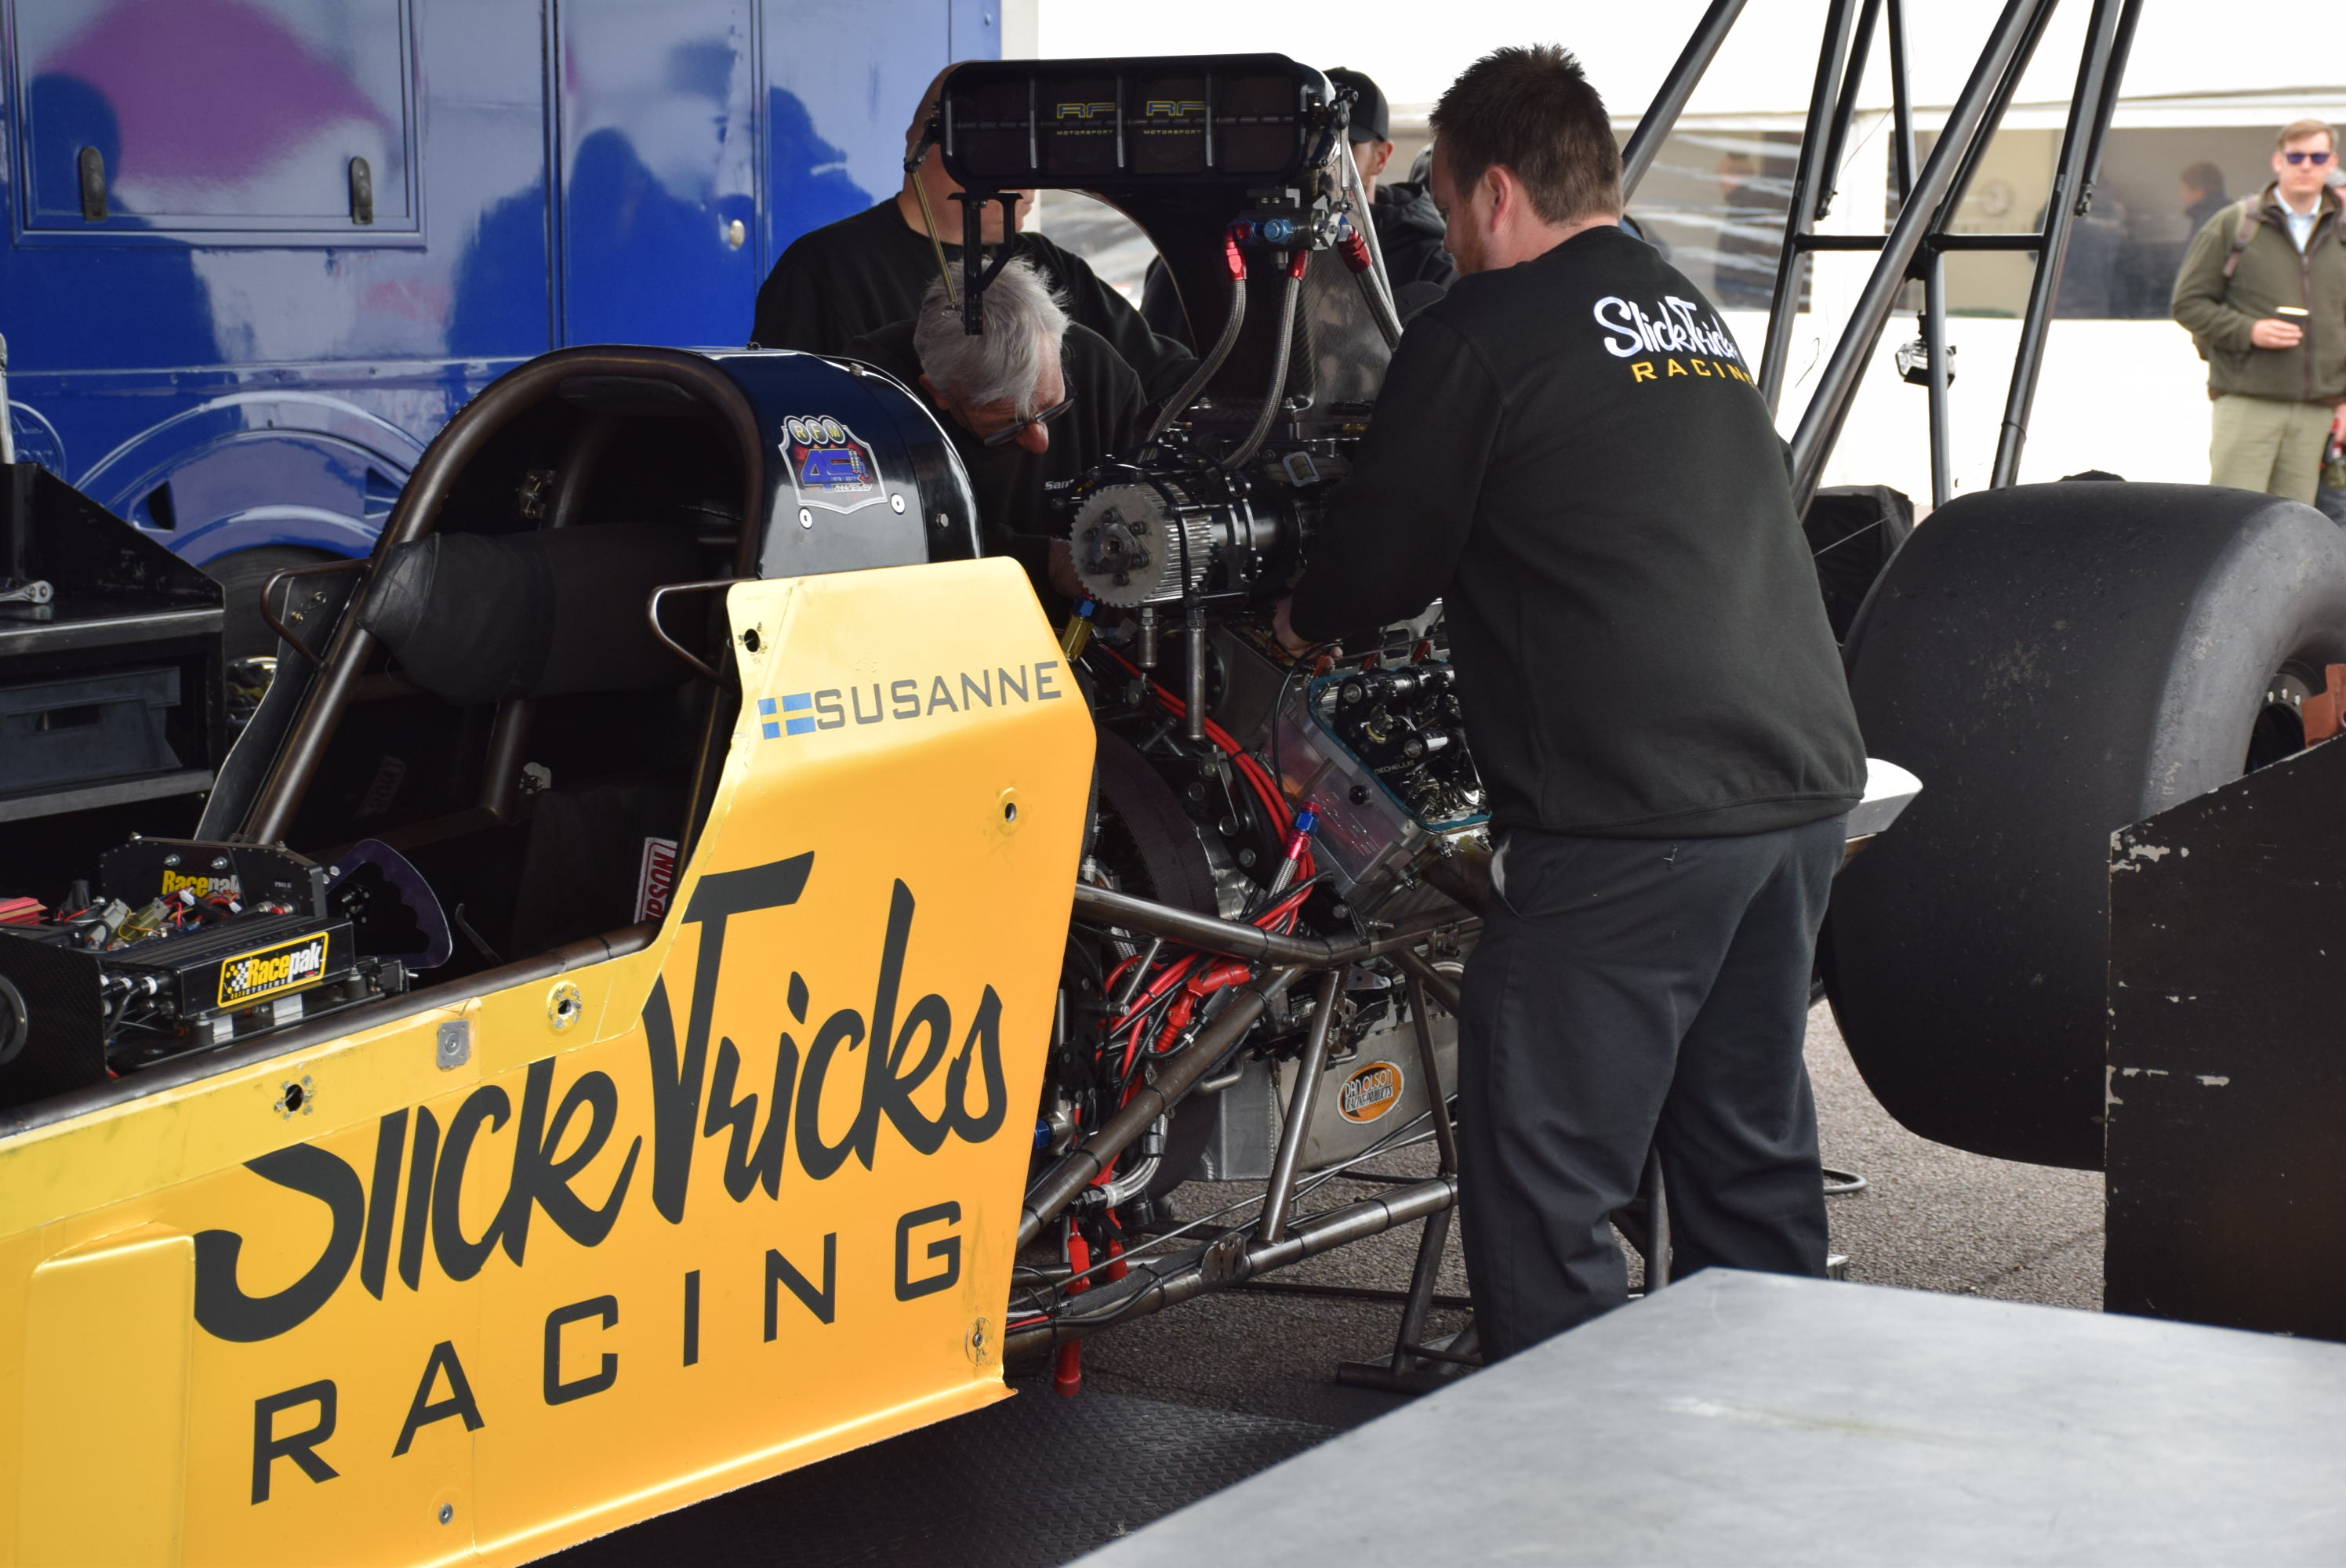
(1570,450)
(862,273)
(1409,229)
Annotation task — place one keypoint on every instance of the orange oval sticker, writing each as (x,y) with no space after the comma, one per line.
(1370,1092)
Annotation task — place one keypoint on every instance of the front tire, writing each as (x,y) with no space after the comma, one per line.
(2055,661)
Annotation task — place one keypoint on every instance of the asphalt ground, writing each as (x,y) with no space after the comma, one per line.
(1178,1405)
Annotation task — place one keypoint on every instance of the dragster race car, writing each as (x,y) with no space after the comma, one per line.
(685,970)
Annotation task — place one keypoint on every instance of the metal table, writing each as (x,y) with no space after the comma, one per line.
(1748,1419)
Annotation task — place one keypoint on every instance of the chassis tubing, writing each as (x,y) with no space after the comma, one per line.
(1248,942)
(1079,1165)
(1219,1267)
(1177,1073)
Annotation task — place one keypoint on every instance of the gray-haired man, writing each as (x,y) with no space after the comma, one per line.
(1031,402)
(857,275)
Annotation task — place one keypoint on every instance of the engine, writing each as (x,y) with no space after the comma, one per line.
(1334,796)
(1162,533)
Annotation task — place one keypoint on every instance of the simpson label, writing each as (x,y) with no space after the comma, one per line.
(655,878)
(1370,1092)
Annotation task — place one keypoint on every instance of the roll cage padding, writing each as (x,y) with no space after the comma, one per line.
(484,618)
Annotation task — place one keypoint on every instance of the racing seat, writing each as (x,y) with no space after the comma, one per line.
(501,654)
(549,626)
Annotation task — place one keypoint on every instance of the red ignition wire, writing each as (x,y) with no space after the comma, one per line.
(1258,777)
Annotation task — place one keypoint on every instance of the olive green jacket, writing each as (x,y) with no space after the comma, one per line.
(2219,312)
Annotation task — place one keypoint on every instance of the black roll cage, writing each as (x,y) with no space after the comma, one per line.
(1918,239)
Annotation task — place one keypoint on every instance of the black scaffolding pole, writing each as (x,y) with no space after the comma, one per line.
(1808,181)
(1968,122)
(2100,65)
(1676,87)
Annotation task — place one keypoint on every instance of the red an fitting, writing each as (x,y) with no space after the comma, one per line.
(1297,260)
(1067,1376)
(1233,257)
(1354,250)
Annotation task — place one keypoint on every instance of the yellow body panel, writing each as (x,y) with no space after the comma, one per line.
(415,1315)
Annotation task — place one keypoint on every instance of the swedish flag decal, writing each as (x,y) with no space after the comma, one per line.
(797,702)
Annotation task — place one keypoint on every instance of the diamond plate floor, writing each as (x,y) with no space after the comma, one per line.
(1036,1480)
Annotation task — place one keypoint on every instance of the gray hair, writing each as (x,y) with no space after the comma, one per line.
(1024,321)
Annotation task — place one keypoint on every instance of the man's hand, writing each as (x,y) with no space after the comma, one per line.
(1060,569)
(1283,628)
(2272,333)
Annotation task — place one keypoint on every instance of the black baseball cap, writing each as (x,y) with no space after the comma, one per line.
(1369,119)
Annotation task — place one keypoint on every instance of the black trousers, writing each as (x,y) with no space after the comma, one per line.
(1626,989)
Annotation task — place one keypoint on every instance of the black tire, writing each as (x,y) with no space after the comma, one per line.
(1853,531)
(2055,661)
(242,576)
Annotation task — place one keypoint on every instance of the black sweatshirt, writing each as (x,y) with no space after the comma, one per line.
(1410,235)
(857,275)
(1013,485)
(1570,453)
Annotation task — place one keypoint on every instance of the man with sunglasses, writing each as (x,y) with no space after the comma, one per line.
(1032,404)
(2263,294)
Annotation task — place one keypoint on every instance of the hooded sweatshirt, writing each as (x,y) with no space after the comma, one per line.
(1571,454)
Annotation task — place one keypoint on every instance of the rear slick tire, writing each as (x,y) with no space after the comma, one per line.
(2054,662)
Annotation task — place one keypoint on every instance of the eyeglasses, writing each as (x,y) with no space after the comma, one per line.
(1016,428)
(2316,158)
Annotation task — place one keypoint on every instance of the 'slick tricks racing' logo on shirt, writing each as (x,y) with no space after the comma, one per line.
(1675,340)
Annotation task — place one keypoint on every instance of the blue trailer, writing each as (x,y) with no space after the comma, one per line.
(260,251)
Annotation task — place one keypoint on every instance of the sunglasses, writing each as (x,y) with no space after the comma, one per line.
(2316,158)
(1016,428)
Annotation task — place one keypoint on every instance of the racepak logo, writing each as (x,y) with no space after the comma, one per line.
(271,971)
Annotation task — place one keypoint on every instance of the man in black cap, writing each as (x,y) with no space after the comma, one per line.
(1409,229)
(860,273)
